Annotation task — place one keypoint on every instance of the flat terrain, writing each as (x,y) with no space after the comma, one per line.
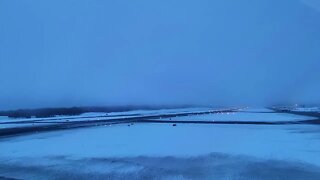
(180,144)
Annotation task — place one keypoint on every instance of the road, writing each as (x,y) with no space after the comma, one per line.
(43,125)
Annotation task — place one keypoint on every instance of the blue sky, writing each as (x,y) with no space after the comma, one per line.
(221,52)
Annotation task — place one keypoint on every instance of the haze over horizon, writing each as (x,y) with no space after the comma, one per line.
(220,53)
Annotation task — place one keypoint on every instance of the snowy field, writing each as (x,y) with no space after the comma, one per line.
(6,122)
(248,115)
(164,151)
(306,109)
(297,108)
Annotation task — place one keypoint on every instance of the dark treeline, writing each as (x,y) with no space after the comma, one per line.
(71,111)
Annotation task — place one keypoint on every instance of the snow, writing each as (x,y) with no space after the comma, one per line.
(248,115)
(161,111)
(306,109)
(93,116)
(145,150)
(299,108)
(105,116)
(257,109)
(275,142)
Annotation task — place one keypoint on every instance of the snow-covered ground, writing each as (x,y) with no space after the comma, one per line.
(111,115)
(6,122)
(297,108)
(306,109)
(294,145)
(248,115)
(256,109)
(280,142)
(185,151)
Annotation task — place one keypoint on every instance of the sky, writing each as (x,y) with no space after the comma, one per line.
(168,52)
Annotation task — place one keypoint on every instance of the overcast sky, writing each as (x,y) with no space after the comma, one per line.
(118,52)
